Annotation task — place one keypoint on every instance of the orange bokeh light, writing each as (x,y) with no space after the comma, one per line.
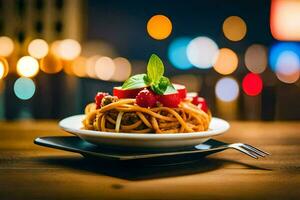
(159,27)
(285,19)
(6,46)
(51,64)
(234,28)
(79,66)
(227,61)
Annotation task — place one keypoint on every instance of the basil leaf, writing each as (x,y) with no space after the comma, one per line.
(136,81)
(164,86)
(163,83)
(170,90)
(156,89)
(155,69)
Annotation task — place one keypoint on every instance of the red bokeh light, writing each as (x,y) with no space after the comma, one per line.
(252,84)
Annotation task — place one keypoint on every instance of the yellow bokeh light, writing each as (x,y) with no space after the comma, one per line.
(6,46)
(79,66)
(105,68)
(227,61)
(51,64)
(3,67)
(2,70)
(159,27)
(27,66)
(122,69)
(38,48)
(68,49)
(234,28)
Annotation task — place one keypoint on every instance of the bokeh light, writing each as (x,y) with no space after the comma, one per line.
(202,52)
(234,28)
(159,27)
(24,88)
(177,53)
(6,46)
(256,58)
(122,69)
(288,78)
(67,67)
(105,68)
(288,67)
(285,61)
(27,66)
(288,62)
(227,61)
(227,89)
(38,48)
(3,67)
(68,49)
(2,70)
(54,48)
(279,48)
(252,84)
(91,65)
(79,66)
(51,64)
(285,19)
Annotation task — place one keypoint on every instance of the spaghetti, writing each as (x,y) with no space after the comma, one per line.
(125,116)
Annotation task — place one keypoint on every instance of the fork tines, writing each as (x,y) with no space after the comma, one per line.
(250,150)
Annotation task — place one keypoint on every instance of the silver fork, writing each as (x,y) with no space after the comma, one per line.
(248,150)
(209,147)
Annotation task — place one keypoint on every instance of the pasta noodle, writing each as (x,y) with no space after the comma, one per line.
(126,116)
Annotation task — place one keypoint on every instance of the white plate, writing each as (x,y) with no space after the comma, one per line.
(73,125)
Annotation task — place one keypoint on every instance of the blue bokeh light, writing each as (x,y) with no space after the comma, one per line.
(227,89)
(177,53)
(281,53)
(24,88)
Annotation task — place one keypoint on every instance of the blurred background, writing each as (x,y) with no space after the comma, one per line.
(242,56)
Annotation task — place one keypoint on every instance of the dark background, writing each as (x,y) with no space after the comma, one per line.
(122,24)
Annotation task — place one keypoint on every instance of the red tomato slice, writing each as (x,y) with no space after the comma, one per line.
(169,100)
(182,91)
(122,94)
(201,103)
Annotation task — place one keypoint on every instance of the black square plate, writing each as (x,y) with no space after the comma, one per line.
(77,145)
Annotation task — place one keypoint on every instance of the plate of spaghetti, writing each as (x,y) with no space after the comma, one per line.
(147,111)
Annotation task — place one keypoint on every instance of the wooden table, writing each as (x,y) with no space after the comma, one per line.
(28,171)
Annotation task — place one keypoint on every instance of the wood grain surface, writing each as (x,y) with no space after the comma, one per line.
(28,171)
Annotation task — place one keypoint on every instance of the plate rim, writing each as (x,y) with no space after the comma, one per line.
(93,133)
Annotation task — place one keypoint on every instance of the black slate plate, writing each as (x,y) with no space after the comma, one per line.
(77,145)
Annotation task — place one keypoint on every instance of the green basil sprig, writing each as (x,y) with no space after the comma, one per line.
(153,79)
